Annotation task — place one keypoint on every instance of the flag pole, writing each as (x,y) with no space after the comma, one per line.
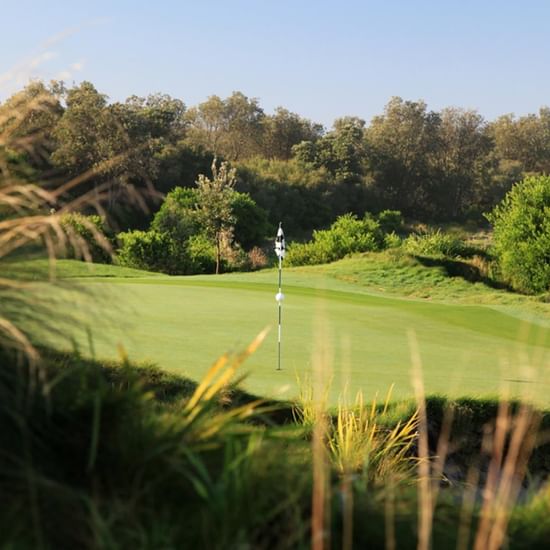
(280,302)
(280,251)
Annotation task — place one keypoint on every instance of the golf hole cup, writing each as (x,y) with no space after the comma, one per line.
(279,297)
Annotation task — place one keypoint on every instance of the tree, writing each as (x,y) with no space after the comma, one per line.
(230,128)
(402,145)
(178,215)
(30,116)
(87,134)
(214,206)
(341,151)
(118,147)
(525,140)
(152,127)
(244,126)
(462,161)
(251,225)
(301,196)
(157,116)
(283,130)
(522,234)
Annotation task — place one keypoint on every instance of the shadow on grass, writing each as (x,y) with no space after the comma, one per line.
(166,388)
(464,270)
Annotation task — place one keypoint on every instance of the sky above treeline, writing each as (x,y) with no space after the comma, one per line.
(322,59)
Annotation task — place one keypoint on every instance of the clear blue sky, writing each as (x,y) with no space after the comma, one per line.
(322,59)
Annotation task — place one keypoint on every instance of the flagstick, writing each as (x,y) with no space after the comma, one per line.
(280,251)
(280,311)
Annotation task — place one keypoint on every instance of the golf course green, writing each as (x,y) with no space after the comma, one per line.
(335,332)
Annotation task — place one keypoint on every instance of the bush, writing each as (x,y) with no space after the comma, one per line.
(86,229)
(179,221)
(522,235)
(150,250)
(177,215)
(346,235)
(434,243)
(202,254)
(251,225)
(155,251)
(257,259)
(391,221)
(392,240)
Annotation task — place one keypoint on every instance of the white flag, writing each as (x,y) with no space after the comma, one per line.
(280,243)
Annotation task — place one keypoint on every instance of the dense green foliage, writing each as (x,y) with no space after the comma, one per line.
(177,214)
(391,221)
(448,164)
(199,230)
(346,235)
(251,224)
(434,243)
(299,195)
(522,234)
(149,250)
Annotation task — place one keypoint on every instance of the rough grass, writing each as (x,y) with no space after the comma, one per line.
(109,462)
(395,273)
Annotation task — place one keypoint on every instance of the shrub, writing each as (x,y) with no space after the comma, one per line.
(392,240)
(234,257)
(390,221)
(251,225)
(150,250)
(201,254)
(434,243)
(91,232)
(346,235)
(257,259)
(304,254)
(177,215)
(522,235)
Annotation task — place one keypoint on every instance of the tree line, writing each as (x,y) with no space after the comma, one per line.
(431,165)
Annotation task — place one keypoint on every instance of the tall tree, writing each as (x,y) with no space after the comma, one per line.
(402,146)
(463,160)
(283,130)
(116,145)
(525,139)
(88,133)
(230,128)
(29,118)
(215,212)
(341,151)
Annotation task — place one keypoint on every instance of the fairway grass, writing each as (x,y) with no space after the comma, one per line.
(184,323)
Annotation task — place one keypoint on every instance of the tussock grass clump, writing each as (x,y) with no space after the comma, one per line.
(359,442)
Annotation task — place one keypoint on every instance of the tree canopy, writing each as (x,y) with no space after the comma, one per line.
(431,165)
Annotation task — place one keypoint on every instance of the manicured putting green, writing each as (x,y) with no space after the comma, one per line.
(362,340)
